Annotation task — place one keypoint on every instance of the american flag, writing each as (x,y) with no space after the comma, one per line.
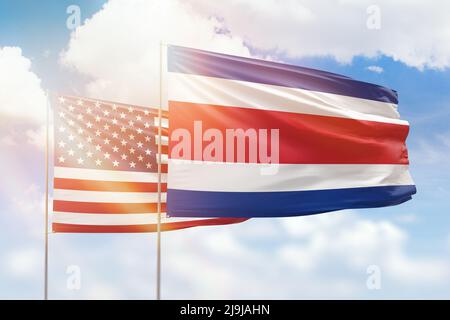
(106,169)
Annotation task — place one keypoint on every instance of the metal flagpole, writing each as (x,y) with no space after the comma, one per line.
(46,199)
(158,236)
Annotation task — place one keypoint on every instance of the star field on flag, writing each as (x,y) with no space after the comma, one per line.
(106,168)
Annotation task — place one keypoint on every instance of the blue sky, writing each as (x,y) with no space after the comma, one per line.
(122,266)
(38,27)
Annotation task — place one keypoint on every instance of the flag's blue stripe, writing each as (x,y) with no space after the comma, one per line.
(199,62)
(183,203)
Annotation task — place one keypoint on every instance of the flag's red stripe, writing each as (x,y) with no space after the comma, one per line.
(304,138)
(73,228)
(113,186)
(164,149)
(111,208)
(164,131)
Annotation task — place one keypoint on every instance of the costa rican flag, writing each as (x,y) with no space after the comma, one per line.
(252,138)
(106,173)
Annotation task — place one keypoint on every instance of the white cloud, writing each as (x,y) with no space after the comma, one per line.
(37,137)
(27,208)
(322,256)
(119,47)
(21,95)
(47,53)
(110,266)
(339,28)
(8,140)
(359,242)
(22,122)
(103,291)
(376,69)
(23,262)
(406,218)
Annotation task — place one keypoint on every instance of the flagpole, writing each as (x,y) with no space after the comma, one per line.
(46,199)
(158,235)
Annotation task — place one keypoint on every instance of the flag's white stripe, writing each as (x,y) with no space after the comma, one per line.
(235,93)
(249,177)
(107,197)
(114,219)
(164,158)
(164,140)
(104,219)
(107,175)
(164,122)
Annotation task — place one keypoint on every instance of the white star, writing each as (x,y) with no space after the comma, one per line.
(80,131)
(115,149)
(148,152)
(115,163)
(98,147)
(130,109)
(62,129)
(147,125)
(80,160)
(131,123)
(115,135)
(107,155)
(106,113)
(114,121)
(98,162)
(132,151)
(88,110)
(131,137)
(114,107)
(140,158)
(147,138)
(138,118)
(71,152)
(80,102)
(124,157)
(106,126)
(97,119)
(132,164)
(97,104)
(89,125)
(89,154)
(148,165)
(71,123)
(106,141)
(122,115)
(61,159)
(80,145)
(146,112)
(123,142)
(62,144)
(71,137)
(71,108)
(62,100)
(98,133)
(89,139)
(139,130)
(123,129)
(140,144)
(62,115)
